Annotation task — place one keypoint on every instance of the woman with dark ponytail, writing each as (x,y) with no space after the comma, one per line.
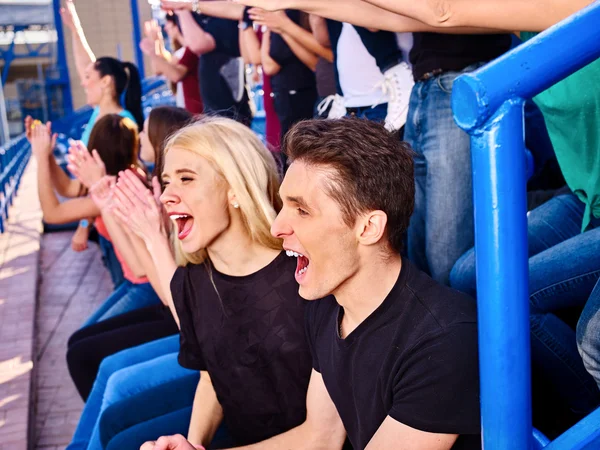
(111,87)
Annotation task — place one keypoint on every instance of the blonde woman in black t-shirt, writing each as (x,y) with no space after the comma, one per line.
(230,286)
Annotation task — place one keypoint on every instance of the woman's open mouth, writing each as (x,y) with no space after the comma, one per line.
(184,223)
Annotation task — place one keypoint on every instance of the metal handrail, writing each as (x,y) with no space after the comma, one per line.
(488,104)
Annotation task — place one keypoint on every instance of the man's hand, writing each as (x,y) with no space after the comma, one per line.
(273,20)
(267,5)
(177,442)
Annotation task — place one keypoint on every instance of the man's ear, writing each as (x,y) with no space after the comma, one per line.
(371,227)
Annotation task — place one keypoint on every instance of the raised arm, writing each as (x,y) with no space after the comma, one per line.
(196,39)
(213,8)
(303,41)
(269,65)
(170,68)
(136,206)
(361,13)
(207,413)
(81,49)
(42,143)
(500,14)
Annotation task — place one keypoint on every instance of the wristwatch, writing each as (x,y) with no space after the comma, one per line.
(84,223)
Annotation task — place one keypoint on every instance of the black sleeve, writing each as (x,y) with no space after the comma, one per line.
(225,33)
(281,53)
(438,388)
(310,326)
(190,354)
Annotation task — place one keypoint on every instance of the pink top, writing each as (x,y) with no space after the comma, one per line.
(127,272)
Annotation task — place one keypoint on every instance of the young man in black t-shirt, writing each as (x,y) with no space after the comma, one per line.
(394,353)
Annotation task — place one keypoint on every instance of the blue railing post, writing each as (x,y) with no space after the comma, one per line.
(137,37)
(498,159)
(488,104)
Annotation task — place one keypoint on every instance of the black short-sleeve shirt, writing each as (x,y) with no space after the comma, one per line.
(293,75)
(249,335)
(454,52)
(413,359)
(216,93)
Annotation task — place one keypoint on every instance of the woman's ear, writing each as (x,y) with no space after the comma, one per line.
(232,199)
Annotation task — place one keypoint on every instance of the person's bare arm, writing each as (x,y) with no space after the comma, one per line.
(138,207)
(282,24)
(358,12)
(322,430)
(81,49)
(213,8)
(308,58)
(148,266)
(498,14)
(252,49)
(196,39)
(121,241)
(269,65)
(318,26)
(207,413)
(170,68)
(396,435)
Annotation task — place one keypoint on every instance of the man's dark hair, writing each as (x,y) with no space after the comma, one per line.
(371,168)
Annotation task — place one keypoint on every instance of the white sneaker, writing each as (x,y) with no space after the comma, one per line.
(337,111)
(398,83)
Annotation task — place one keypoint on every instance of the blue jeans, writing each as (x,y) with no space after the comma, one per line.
(175,422)
(376,113)
(109,258)
(563,268)
(441,227)
(125,298)
(588,334)
(110,366)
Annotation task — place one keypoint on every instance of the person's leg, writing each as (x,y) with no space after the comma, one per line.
(84,356)
(111,301)
(137,296)
(168,424)
(157,401)
(109,258)
(550,224)
(108,367)
(176,422)
(443,172)
(559,278)
(139,379)
(588,334)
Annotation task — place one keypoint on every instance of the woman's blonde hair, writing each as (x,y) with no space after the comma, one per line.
(248,168)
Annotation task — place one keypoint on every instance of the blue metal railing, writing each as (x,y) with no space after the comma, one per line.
(488,104)
(14,156)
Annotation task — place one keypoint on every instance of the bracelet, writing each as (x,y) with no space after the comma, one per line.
(195,8)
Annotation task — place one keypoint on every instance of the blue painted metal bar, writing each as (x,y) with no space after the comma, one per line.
(61,60)
(137,37)
(528,69)
(488,105)
(502,279)
(585,435)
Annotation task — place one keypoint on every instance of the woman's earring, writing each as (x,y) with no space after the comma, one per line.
(236,205)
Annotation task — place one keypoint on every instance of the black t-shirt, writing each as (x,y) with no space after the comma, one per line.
(454,52)
(414,359)
(250,338)
(217,94)
(293,75)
